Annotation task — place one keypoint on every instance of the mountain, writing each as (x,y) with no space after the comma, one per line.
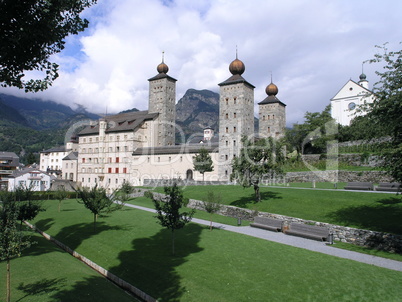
(199,109)
(29,126)
(196,110)
(40,115)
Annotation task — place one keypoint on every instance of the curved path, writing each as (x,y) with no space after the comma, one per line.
(299,242)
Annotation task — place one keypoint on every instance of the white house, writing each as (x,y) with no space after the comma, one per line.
(30,178)
(345,103)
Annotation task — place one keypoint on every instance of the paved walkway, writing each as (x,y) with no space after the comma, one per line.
(299,242)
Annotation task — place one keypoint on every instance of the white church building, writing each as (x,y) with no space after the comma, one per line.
(345,103)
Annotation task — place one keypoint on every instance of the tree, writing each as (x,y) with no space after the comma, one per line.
(386,110)
(203,162)
(97,201)
(12,240)
(168,210)
(211,205)
(257,159)
(60,194)
(32,31)
(311,136)
(28,208)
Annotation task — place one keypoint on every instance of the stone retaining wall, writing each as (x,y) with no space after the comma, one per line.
(379,240)
(337,176)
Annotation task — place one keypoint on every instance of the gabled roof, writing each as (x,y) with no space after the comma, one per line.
(351,82)
(55,149)
(235,79)
(122,122)
(71,156)
(8,155)
(21,172)
(271,99)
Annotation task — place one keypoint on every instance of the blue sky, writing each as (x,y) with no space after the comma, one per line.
(312,48)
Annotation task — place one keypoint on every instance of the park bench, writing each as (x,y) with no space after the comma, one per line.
(308,231)
(389,186)
(359,186)
(267,224)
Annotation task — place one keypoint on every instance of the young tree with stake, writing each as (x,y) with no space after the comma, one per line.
(168,211)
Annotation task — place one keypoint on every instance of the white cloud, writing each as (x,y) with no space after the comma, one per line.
(312,48)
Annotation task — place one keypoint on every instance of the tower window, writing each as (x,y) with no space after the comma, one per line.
(273,116)
(234,129)
(226,115)
(234,115)
(227,101)
(234,100)
(263,117)
(227,130)
(227,143)
(269,129)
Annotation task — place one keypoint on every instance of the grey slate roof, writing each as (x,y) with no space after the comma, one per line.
(8,155)
(122,122)
(55,149)
(234,79)
(71,156)
(177,149)
(271,100)
(162,76)
(17,173)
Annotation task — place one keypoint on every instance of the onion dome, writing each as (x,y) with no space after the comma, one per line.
(271,89)
(237,67)
(162,68)
(362,77)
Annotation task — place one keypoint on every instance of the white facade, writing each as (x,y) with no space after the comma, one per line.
(345,103)
(30,178)
(70,167)
(52,159)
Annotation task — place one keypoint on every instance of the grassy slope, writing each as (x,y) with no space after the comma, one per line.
(374,211)
(46,273)
(213,266)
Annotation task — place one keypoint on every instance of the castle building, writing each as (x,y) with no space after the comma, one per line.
(236,116)
(139,147)
(272,114)
(345,103)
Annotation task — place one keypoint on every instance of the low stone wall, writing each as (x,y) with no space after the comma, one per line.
(118,281)
(180,182)
(337,176)
(379,240)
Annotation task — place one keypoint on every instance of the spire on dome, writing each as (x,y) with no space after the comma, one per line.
(237,66)
(162,67)
(271,89)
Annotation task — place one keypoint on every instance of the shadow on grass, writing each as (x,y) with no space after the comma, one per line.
(245,200)
(44,224)
(75,234)
(151,267)
(383,216)
(44,286)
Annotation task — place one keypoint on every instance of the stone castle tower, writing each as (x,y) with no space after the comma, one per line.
(272,114)
(236,116)
(162,100)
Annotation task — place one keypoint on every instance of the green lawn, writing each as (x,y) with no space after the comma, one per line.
(374,211)
(208,266)
(46,273)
